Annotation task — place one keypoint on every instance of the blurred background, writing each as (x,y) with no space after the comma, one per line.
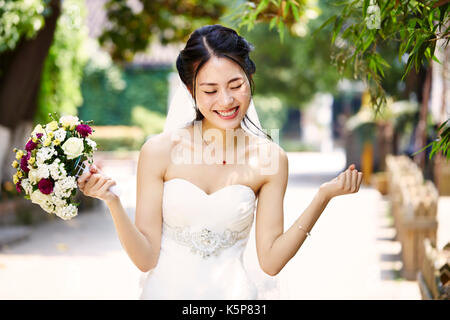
(350,82)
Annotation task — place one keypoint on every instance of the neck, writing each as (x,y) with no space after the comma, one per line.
(226,143)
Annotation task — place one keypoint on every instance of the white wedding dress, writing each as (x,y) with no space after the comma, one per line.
(203,240)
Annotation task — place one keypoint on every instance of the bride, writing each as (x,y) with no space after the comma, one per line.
(198,183)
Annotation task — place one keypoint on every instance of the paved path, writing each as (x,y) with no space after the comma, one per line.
(350,255)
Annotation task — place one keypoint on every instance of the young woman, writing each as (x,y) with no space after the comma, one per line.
(198,183)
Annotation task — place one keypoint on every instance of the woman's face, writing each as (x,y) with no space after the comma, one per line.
(223,92)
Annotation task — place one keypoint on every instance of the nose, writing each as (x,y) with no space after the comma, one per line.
(225,99)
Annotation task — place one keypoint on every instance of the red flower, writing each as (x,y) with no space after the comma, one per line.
(84,130)
(45,186)
(24,162)
(18,184)
(30,145)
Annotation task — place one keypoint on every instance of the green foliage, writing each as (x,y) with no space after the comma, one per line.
(286,15)
(20,18)
(118,138)
(131,29)
(270,110)
(414,25)
(61,78)
(149,121)
(295,70)
(110,92)
(441,143)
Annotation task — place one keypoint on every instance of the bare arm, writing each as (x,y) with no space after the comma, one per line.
(274,247)
(141,240)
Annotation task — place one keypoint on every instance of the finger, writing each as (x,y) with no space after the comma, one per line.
(93,168)
(354,180)
(100,183)
(106,186)
(92,180)
(360,175)
(83,179)
(348,180)
(341,179)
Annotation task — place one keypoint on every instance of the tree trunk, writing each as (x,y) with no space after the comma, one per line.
(441,166)
(421,132)
(19,89)
(20,84)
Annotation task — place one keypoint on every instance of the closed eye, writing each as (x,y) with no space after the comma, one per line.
(216,91)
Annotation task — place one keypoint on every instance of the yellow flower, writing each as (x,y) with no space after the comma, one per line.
(15,179)
(34,139)
(15,164)
(19,154)
(31,160)
(51,134)
(56,142)
(19,174)
(52,126)
(47,142)
(37,129)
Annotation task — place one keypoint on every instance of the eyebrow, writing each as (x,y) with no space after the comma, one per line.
(213,84)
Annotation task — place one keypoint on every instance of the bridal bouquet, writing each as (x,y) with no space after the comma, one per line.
(49,165)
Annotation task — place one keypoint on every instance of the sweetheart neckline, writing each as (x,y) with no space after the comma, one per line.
(210,194)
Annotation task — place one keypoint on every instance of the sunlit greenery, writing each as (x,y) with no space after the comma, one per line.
(62,74)
(20,18)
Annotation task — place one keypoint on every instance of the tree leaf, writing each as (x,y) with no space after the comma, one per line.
(365,5)
(337,28)
(327,22)
(294,10)
(273,21)
(281,30)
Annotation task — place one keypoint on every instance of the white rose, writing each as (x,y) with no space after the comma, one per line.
(48,206)
(69,121)
(43,171)
(73,147)
(39,198)
(33,176)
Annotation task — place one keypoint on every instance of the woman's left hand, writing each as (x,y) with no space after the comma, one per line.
(345,183)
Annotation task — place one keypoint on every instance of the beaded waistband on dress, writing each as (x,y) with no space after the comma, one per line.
(205,242)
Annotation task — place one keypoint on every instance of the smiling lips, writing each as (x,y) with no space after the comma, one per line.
(229,114)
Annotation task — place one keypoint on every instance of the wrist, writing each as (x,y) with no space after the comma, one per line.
(324,195)
(112,200)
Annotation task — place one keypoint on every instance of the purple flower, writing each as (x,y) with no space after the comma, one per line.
(84,130)
(24,162)
(30,145)
(18,185)
(45,186)
(39,135)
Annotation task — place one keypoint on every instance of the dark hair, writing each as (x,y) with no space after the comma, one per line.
(219,41)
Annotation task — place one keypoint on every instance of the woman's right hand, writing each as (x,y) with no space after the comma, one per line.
(94,183)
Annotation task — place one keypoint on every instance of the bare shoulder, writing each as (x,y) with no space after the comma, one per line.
(270,148)
(155,152)
(274,163)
